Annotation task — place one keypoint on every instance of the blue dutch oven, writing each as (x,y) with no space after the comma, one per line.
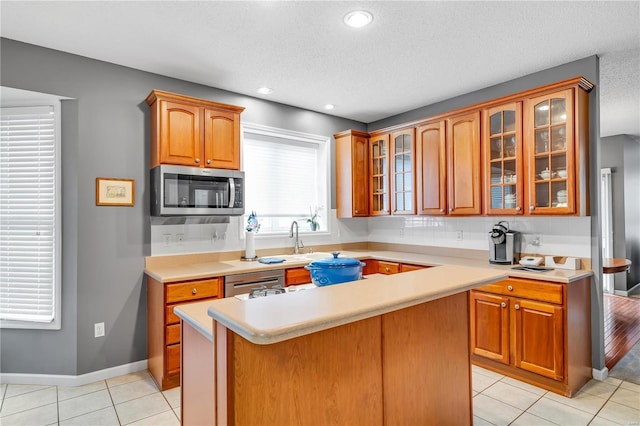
(335,270)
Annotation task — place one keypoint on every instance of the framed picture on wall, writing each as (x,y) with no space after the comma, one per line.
(114,192)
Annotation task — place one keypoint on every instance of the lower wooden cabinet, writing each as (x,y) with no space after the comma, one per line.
(373,266)
(543,339)
(294,276)
(163,326)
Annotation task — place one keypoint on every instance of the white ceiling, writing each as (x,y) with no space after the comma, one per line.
(413,54)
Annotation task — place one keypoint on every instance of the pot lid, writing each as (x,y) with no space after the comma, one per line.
(335,262)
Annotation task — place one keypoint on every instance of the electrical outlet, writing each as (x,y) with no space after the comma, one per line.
(459,236)
(166,238)
(535,240)
(179,238)
(98,329)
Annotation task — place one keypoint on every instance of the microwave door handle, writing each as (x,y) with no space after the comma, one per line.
(232,190)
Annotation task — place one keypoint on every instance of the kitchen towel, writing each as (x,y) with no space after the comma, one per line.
(268,260)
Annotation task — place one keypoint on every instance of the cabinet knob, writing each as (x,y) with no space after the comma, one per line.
(208,161)
(518,208)
(356,210)
(194,291)
(510,287)
(517,307)
(531,208)
(441,210)
(450,210)
(197,160)
(386,268)
(503,304)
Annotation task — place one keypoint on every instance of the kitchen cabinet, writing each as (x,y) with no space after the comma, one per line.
(379,175)
(551,153)
(534,331)
(503,163)
(294,276)
(163,326)
(463,164)
(352,174)
(431,170)
(387,267)
(402,172)
(193,132)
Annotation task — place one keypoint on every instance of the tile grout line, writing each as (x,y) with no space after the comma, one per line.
(106,383)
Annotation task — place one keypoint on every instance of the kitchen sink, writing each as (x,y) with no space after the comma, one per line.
(307,256)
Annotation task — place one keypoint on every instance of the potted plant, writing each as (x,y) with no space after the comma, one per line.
(313,219)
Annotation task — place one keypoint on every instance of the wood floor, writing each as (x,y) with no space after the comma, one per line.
(621,327)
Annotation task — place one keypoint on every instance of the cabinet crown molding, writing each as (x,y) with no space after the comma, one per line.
(162,95)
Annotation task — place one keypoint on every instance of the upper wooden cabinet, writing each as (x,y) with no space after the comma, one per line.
(431,170)
(503,165)
(193,132)
(379,175)
(463,164)
(352,174)
(402,159)
(531,158)
(556,141)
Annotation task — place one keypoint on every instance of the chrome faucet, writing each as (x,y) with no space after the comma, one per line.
(297,245)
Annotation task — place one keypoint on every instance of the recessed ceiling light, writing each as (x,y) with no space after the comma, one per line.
(358,18)
(329,106)
(264,90)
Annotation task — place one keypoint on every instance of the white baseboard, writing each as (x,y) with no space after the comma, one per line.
(633,290)
(600,374)
(68,380)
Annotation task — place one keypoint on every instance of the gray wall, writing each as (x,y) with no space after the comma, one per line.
(632,208)
(618,151)
(106,133)
(588,68)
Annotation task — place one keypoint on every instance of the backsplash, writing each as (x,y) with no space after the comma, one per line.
(561,236)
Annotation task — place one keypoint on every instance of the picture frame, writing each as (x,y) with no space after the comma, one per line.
(115,192)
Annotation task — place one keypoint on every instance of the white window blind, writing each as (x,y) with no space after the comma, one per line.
(285,178)
(28,217)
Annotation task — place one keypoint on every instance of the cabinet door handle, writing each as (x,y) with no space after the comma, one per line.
(197,160)
(208,161)
(441,210)
(531,208)
(510,287)
(517,307)
(356,211)
(518,209)
(386,268)
(503,304)
(450,210)
(194,291)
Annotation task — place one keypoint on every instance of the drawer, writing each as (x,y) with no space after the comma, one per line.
(171,318)
(295,276)
(388,267)
(193,290)
(405,267)
(527,289)
(173,359)
(172,334)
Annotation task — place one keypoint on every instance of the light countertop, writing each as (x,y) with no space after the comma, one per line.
(195,314)
(285,316)
(166,272)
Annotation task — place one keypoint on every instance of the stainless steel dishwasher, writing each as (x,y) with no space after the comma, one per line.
(243,283)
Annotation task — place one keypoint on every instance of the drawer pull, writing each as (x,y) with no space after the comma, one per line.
(517,307)
(208,161)
(194,291)
(197,160)
(510,287)
(386,268)
(503,304)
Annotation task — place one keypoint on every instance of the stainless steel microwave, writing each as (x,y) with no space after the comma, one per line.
(195,191)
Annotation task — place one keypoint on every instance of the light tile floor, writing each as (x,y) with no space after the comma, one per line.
(134,399)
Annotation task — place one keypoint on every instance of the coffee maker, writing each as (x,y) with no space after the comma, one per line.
(503,244)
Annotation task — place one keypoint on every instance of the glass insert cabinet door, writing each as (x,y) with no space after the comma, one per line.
(379,166)
(403,172)
(503,131)
(551,157)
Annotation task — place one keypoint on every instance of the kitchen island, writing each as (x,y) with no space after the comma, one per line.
(388,349)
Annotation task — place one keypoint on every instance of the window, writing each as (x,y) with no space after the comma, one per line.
(286,177)
(30,216)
